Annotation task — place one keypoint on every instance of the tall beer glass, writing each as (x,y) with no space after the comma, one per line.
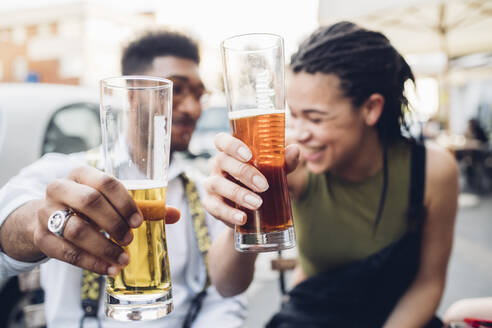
(136,128)
(255,88)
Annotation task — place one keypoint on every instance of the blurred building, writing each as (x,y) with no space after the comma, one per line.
(75,43)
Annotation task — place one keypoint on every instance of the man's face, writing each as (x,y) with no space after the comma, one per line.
(187,92)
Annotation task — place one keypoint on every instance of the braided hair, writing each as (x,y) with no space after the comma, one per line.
(366,63)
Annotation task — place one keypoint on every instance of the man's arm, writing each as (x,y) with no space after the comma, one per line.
(419,303)
(17,234)
(100,202)
(58,182)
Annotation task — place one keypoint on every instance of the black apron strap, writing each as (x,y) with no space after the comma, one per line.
(90,293)
(416,209)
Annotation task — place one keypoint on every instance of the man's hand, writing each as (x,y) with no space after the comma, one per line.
(101,203)
(233,160)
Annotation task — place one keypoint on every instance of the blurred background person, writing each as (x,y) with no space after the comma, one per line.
(475,133)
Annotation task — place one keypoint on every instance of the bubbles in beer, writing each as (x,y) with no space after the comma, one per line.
(148,270)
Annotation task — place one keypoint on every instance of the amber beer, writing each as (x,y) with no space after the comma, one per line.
(148,271)
(263,132)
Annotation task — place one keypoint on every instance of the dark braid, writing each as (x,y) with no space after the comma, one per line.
(366,63)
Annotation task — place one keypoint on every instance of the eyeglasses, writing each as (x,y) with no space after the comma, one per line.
(182,87)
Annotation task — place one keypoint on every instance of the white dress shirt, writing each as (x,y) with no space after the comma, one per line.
(61,281)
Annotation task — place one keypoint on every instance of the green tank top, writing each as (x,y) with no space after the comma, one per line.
(336,228)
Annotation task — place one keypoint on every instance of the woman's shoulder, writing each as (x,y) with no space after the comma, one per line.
(441,169)
(441,164)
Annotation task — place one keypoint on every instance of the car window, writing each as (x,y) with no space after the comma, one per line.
(72,129)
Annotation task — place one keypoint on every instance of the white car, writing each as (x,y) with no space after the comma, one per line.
(35,119)
(38,118)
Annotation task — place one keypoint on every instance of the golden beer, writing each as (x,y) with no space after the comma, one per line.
(148,270)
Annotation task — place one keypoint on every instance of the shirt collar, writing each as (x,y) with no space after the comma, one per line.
(176,167)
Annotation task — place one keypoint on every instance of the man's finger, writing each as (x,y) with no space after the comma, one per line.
(83,235)
(92,204)
(61,249)
(112,189)
(172,215)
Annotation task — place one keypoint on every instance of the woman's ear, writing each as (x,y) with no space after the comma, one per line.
(373,108)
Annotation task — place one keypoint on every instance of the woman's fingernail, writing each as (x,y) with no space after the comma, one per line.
(112,271)
(244,153)
(253,200)
(238,218)
(260,182)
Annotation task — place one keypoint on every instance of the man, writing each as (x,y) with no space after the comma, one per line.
(57,182)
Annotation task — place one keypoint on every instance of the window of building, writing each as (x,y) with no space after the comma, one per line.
(19,35)
(44,30)
(20,69)
(4,35)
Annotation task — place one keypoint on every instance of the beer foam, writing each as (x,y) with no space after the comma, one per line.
(143,184)
(237,114)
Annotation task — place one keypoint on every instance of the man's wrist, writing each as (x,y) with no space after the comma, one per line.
(17,233)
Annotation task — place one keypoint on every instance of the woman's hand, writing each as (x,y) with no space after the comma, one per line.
(233,160)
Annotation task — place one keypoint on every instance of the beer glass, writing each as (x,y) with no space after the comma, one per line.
(255,89)
(136,128)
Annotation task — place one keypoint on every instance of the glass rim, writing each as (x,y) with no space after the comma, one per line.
(249,35)
(107,82)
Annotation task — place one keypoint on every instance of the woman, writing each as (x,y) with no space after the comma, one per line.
(373,242)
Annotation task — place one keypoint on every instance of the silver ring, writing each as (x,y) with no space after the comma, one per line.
(58,220)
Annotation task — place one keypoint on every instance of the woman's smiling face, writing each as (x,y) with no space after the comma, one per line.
(325,123)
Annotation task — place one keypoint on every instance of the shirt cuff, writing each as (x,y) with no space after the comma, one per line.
(14,204)
(11,267)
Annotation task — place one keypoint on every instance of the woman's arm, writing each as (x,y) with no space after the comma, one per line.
(419,303)
(231,272)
